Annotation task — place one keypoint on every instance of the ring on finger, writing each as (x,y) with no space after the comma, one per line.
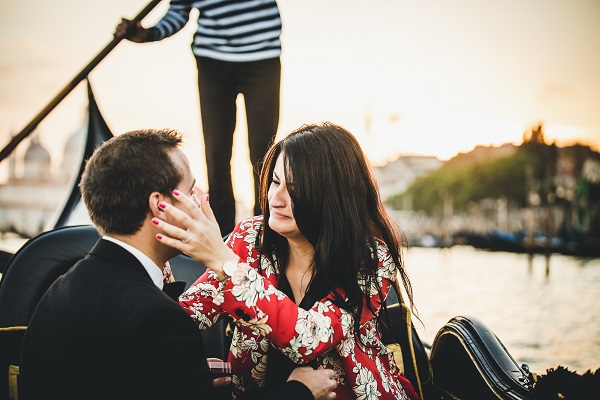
(187,239)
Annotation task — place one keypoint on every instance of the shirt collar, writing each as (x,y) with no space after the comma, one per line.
(153,270)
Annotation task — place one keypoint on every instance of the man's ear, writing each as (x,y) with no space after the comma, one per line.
(153,200)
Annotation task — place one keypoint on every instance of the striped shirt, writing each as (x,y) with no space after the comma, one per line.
(228,30)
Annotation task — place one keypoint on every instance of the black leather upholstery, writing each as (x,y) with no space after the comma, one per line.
(36,265)
(27,276)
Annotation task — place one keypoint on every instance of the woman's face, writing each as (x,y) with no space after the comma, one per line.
(281,218)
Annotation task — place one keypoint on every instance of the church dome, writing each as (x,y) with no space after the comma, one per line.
(37,153)
(37,160)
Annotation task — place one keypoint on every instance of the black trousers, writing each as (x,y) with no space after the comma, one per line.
(219,83)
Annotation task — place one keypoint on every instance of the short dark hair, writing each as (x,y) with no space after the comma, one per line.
(122,173)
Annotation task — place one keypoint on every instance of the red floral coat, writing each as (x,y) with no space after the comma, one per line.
(325,332)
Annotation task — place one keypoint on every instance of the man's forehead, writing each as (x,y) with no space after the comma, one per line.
(181,161)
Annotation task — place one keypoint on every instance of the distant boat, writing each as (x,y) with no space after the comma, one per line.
(538,243)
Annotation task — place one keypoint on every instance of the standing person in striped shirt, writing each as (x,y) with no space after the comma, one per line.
(237,48)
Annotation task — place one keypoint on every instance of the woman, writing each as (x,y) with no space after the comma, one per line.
(305,282)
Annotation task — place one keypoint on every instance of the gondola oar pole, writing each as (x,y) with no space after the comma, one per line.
(70,86)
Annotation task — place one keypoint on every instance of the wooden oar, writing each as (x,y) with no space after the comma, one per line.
(69,87)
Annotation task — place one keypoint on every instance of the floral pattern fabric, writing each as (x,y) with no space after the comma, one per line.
(265,316)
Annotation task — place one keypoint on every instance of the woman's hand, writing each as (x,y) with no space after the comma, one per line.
(193,230)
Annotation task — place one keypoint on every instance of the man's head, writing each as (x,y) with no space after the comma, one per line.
(128,174)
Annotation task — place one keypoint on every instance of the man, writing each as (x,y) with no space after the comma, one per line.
(105,329)
(237,48)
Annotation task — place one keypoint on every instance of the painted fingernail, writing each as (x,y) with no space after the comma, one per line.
(159,236)
(207,197)
(176,192)
(162,204)
(155,221)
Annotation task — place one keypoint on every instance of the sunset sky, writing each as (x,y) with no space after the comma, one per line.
(434,77)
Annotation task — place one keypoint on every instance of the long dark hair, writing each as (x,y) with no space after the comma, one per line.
(337,208)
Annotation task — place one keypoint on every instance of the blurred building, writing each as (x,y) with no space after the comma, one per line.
(395,177)
(33,192)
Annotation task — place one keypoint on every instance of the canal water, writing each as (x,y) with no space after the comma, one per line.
(546,312)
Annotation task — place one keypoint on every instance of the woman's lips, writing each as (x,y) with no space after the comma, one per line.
(278,215)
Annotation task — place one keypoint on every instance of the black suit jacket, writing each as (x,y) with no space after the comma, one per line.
(105,331)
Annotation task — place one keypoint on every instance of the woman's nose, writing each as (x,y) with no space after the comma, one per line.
(278,197)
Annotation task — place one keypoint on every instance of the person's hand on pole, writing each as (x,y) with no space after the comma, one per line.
(131,30)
